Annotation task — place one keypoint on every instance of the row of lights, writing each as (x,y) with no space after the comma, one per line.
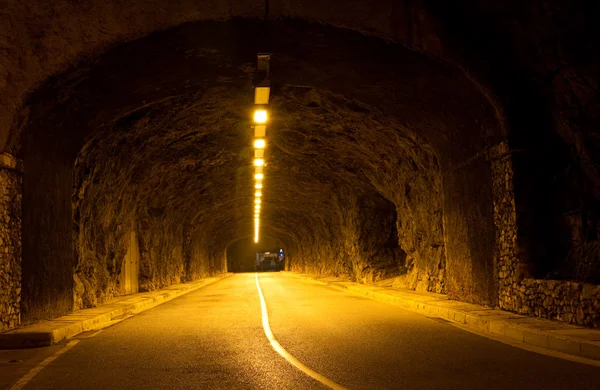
(261,100)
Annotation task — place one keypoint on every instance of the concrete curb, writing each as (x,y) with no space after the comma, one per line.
(551,335)
(51,332)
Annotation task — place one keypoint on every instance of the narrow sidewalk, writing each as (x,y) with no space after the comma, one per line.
(551,335)
(53,331)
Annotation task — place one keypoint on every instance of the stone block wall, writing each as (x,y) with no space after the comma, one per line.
(561,300)
(571,302)
(10,248)
(505,220)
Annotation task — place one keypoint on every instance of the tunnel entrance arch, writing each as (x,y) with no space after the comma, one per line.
(350,112)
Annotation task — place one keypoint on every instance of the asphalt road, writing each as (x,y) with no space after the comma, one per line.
(213,338)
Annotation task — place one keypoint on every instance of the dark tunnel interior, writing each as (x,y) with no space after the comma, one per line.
(384,163)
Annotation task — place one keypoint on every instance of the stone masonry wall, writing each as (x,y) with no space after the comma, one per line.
(10,248)
(571,302)
(505,220)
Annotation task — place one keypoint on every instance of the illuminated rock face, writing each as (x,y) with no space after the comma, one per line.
(353,185)
(435,158)
(10,255)
(375,191)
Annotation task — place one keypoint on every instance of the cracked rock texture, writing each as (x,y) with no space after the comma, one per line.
(385,196)
(10,252)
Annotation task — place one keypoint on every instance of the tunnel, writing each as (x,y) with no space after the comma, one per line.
(418,145)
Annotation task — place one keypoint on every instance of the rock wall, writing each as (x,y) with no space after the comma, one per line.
(377,239)
(571,302)
(505,260)
(10,248)
(561,300)
(162,253)
(109,201)
(469,232)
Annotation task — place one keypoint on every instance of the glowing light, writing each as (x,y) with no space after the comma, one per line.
(257,201)
(259,162)
(258,194)
(260,116)
(259,176)
(259,143)
(261,95)
(258,186)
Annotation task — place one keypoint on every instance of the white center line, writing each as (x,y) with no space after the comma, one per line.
(34,371)
(285,354)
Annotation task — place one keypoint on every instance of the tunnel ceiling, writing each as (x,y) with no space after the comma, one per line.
(536,60)
(162,125)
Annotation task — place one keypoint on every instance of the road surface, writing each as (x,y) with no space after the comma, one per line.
(213,338)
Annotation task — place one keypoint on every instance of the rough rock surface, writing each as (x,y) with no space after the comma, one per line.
(374,142)
(571,302)
(10,244)
(385,196)
(353,184)
(144,174)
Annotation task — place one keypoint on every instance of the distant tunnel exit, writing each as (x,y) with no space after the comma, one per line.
(271,260)
(247,256)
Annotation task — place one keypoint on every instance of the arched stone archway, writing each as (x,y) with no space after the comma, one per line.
(164,138)
(457,125)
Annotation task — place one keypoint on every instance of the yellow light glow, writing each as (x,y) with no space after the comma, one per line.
(257,201)
(258,194)
(256,239)
(259,162)
(259,143)
(260,131)
(259,176)
(261,95)
(260,116)
(258,186)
